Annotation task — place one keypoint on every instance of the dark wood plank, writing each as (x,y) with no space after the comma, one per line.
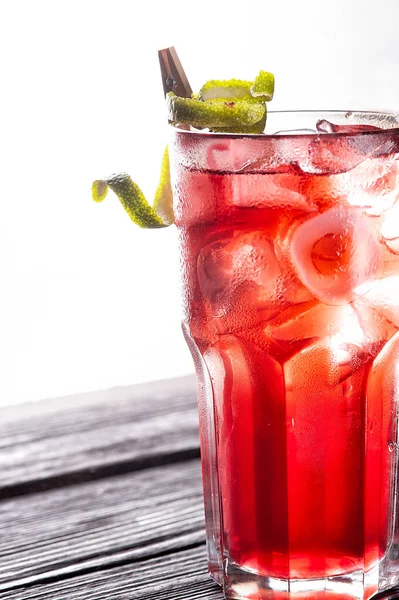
(174,576)
(78,529)
(89,436)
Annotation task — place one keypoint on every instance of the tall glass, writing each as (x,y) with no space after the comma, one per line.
(290,262)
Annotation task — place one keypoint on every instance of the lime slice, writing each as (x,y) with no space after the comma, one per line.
(263,86)
(134,201)
(225,90)
(237,113)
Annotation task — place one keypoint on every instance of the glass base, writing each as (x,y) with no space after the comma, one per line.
(242,584)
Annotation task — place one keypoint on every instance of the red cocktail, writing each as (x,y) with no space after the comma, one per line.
(290,257)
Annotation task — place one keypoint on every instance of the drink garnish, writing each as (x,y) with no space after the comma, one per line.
(237,113)
(260,90)
(225,89)
(263,86)
(160,214)
(231,106)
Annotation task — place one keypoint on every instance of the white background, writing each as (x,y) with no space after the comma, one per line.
(87,300)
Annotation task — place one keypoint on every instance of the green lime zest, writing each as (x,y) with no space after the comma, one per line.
(225,90)
(263,86)
(133,200)
(163,200)
(258,127)
(260,90)
(234,114)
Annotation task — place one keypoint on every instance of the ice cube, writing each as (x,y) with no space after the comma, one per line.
(373,185)
(196,196)
(334,253)
(324,126)
(241,257)
(318,321)
(240,155)
(376,328)
(390,229)
(324,191)
(295,132)
(382,296)
(325,363)
(269,191)
(280,347)
(224,156)
(331,155)
(241,278)
(294,290)
(390,255)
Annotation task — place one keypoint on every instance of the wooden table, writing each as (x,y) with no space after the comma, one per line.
(101,497)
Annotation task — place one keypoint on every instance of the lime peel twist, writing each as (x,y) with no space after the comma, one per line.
(226,90)
(160,214)
(260,90)
(263,86)
(234,114)
(231,106)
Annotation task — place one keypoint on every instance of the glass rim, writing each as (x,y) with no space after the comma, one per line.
(292,136)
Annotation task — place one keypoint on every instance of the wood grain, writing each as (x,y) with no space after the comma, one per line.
(116,520)
(175,576)
(91,436)
(101,497)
